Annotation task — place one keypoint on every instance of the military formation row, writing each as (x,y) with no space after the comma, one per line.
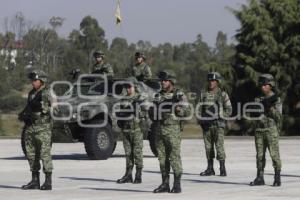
(167,129)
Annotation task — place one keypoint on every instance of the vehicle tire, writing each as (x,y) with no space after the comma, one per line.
(152,139)
(99,143)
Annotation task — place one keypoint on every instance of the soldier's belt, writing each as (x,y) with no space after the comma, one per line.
(213,123)
(128,125)
(263,130)
(170,121)
(266,124)
(35,114)
(43,120)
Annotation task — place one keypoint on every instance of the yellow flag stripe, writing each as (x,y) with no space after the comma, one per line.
(118,13)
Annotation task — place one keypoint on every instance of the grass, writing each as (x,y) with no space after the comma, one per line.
(11,126)
(191,131)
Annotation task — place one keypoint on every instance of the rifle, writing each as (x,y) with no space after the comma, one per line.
(34,105)
(269,102)
(167,109)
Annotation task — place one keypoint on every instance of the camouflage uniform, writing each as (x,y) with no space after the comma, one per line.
(133,136)
(102,67)
(267,132)
(168,136)
(213,131)
(38,132)
(142,72)
(216,102)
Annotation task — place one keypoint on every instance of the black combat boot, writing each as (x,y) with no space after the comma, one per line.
(34,183)
(259,180)
(277,179)
(210,169)
(222,168)
(177,186)
(127,178)
(48,182)
(165,186)
(138,176)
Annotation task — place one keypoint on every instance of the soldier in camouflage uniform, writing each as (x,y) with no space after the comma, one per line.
(37,131)
(102,67)
(132,134)
(216,102)
(267,130)
(171,105)
(141,70)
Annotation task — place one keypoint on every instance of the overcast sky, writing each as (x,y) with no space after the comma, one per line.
(157,21)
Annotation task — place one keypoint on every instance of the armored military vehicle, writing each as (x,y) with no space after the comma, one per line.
(86,111)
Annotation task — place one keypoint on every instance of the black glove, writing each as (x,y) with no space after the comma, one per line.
(269,102)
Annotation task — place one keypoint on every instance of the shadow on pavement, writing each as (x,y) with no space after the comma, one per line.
(216,182)
(14,158)
(54,157)
(158,172)
(9,187)
(88,179)
(123,156)
(118,190)
(284,175)
(75,156)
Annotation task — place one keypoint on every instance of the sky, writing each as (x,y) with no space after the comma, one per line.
(157,21)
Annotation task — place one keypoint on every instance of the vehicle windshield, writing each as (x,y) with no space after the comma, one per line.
(100,89)
(97,89)
(74,90)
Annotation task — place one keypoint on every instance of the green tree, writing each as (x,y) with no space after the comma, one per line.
(89,38)
(119,55)
(269,42)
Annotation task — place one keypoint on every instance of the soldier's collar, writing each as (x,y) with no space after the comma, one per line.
(171,91)
(215,91)
(41,88)
(140,64)
(270,94)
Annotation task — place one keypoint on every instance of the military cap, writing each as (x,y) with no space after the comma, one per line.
(98,54)
(140,55)
(266,79)
(38,75)
(167,75)
(131,81)
(214,76)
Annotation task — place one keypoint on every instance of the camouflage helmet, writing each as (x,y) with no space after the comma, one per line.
(98,54)
(266,79)
(131,81)
(167,75)
(211,76)
(139,55)
(38,75)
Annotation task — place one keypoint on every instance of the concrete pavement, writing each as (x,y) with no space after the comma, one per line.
(76,177)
